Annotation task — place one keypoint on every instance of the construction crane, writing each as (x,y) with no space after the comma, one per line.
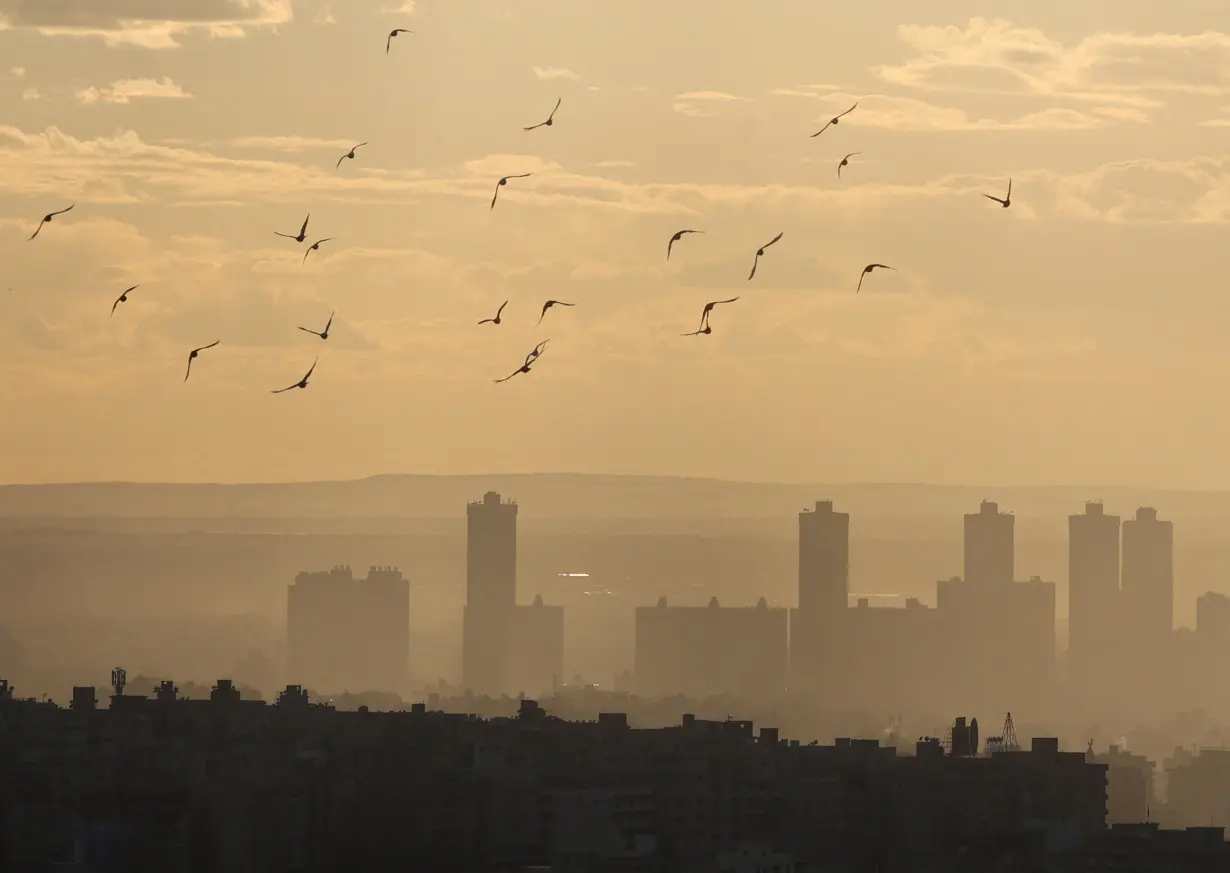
(1006,741)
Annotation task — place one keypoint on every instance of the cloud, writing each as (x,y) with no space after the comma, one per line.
(1222,120)
(324,16)
(406,8)
(701,104)
(999,57)
(612,165)
(127,90)
(290,144)
(548,74)
(19,72)
(153,24)
(31,94)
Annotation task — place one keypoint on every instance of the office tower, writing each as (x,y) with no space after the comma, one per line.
(1148,579)
(990,548)
(824,560)
(491,593)
(1093,585)
(348,634)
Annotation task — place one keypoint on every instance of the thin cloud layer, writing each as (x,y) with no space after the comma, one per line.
(551,74)
(127,90)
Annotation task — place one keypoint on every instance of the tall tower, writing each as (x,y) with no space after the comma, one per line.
(491,593)
(990,545)
(1093,584)
(824,560)
(1148,578)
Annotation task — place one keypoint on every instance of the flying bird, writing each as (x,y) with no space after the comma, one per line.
(392,34)
(349,154)
(547,306)
(835,120)
(760,254)
(498,312)
(323,334)
(674,239)
(500,184)
(845,162)
(550,118)
(47,220)
(315,247)
(302,383)
(538,350)
(529,361)
(302,231)
(704,317)
(192,356)
(867,271)
(1007,201)
(123,298)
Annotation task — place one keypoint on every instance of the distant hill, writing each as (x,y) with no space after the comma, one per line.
(578,496)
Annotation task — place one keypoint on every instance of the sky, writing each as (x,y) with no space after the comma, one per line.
(1077,337)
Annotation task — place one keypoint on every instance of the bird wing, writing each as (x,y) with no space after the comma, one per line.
(720,302)
(1009,186)
(543,314)
(37,229)
(188,372)
(62,211)
(496,195)
(670,245)
(339,160)
(557,106)
(389,42)
(500,311)
(359,146)
(303,230)
(861,277)
(755,263)
(287,235)
(848,111)
(210,346)
(821,130)
(329,323)
(283,390)
(308,252)
(309,330)
(992,197)
(775,239)
(116,303)
(311,370)
(534,126)
(562,303)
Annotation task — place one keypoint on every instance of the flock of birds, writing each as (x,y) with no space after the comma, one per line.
(704,328)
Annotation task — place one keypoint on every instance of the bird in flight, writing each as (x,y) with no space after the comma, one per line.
(392,35)
(845,162)
(323,334)
(498,312)
(538,350)
(674,239)
(315,247)
(123,298)
(1007,201)
(704,317)
(550,118)
(47,220)
(302,231)
(500,184)
(192,356)
(529,361)
(835,120)
(760,254)
(547,306)
(302,383)
(349,154)
(867,270)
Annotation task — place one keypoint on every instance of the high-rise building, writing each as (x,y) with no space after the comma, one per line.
(824,560)
(1213,616)
(990,545)
(491,593)
(1093,586)
(1148,579)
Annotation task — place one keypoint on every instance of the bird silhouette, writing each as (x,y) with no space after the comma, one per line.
(323,334)
(1007,201)
(550,118)
(836,119)
(845,162)
(548,305)
(538,350)
(302,383)
(392,34)
(315,247)
(47,220)
(123,298)
(498,312)
(704,317)
(867,271)
(760,254)
(529,361)
(349,154)
(302,231)
(192,356)
(674,239)
(500,184)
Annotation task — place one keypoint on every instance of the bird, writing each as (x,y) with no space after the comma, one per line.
(498,312)
(1007,201)
(704,317)
(323,334)
(760,254)
(548,305)
(550,118)
(674,239)
(835,120)
(867,270)
(302,231)
(192,356)
(302,383)
(392,34)
(47,220)
(315,247)
(845,162)
(538,350)
(500,184)
(349,154)
(123,298)
(529,360)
